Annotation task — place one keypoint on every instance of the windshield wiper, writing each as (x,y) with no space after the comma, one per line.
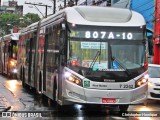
(93,62)
(100,49)
(121,65)
(95,59)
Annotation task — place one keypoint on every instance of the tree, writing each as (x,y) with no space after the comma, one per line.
(10,20)
(28,19)
(7,21)
(33,17)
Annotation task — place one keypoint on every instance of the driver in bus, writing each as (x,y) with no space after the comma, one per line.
(122,56)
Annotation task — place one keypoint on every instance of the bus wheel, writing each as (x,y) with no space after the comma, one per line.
(23,80)
(40,84)
(54,89)
(21,75)
(123,107)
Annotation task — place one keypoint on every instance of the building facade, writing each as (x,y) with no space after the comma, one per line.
(11,7)
(156,58)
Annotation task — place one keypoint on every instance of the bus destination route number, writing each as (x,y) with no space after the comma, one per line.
(108,35)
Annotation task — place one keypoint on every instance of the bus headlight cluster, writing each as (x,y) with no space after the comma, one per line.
(15,70)
(72,78)
(142,81)
(12,63)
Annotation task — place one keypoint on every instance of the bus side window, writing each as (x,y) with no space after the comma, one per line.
(27,51)
(14,53)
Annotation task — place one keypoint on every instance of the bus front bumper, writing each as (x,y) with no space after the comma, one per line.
(76,94)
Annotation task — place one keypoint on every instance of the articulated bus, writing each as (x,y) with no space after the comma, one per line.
(8,52)
(86,55)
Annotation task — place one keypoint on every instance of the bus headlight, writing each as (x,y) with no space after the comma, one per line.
(142,81)
(15,70)
(72,78)
(12,63)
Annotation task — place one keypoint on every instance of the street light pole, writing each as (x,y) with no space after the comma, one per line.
(54,7)
(46,12)
(46,6)
(64,3)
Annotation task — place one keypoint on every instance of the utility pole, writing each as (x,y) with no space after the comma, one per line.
(108,3)
(46,6)
(64,3)
(54,7)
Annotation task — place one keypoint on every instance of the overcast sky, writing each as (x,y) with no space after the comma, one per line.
(27,8)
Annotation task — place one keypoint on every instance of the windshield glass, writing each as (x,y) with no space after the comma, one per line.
(83,53)
(154,72)
(123,55)
(129,55)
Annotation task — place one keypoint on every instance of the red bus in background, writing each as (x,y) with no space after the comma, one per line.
(8,52)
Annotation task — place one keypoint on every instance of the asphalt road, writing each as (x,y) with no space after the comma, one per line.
(25,103)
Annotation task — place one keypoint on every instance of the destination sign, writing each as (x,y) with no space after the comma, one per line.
(107,35)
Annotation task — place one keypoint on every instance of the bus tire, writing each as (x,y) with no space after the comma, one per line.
(23,79)
(2,70)
(54,89)
(40,83)
(123,107)
(21,74)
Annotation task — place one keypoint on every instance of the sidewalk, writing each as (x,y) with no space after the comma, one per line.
(4,105)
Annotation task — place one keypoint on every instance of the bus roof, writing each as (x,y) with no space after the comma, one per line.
(95,15)
(102,14)
(92,15)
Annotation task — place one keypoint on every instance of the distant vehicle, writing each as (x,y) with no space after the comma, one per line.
(8,52)
(154,82)
(97,75)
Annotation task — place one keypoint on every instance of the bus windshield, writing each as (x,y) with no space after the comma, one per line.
(118,57)
(129,55)
(102,49)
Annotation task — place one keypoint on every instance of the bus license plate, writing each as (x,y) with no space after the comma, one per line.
(108,100)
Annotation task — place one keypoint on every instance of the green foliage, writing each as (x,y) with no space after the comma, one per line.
(33,17)
(15,49)
(8,18)
(14,20)
(28,19)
